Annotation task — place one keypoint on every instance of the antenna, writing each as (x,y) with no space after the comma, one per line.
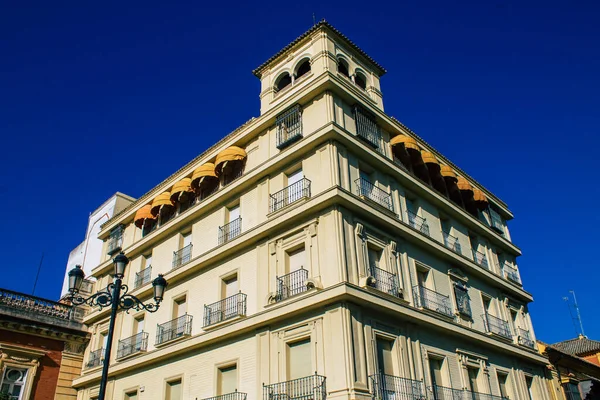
(314,20)
(577,323)
(38,275)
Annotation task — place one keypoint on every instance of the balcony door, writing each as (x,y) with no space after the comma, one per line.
(294,192)
(230,288)
(179,310)
(227,380)
(436,372)
(299,360)
(473,375)
(385,360)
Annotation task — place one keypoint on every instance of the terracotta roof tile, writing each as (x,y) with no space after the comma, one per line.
(578,346)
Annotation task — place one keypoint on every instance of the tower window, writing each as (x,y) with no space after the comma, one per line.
(360,81)
(303,69)
(343,68)
(283,81)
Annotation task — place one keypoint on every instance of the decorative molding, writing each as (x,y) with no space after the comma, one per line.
(359,229)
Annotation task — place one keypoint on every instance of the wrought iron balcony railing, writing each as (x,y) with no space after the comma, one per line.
(367,190)
(446,393)
(451,242)
(291,194)
(388,387)
(385,281)
(417,222)
(142,277)
(289,126)
(182,256)
(291,284)
(229,396)
(230,231)
(307,388)
(366,127)
(230,307)
(133,344)
(524,338)
(434,301)
(496,326)
(95,359)
(115,244)
(174,329)
(511,273)
(480,259)
(36,305)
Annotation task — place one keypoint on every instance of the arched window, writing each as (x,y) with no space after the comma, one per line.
(360,81)
(283,81)
(303,69)
(343,67)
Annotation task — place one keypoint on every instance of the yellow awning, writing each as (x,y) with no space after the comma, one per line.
(163,199)
(143,214)
(408,142)
(478,196)
(429,158)
(447,172)
(464,185)
(183,186)
(232,153)
(203,171)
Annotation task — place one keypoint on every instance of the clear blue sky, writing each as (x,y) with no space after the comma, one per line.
(115,96)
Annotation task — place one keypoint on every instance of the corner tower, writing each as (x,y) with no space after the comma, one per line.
(320,54)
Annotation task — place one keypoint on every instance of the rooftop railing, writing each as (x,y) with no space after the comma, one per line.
(431,300)
(480,259)
(367,190)
(37,305)
(182,256)
(446,393)
(228,308)
(95,358)
(385,281)
(291,194)
(133,344)
(229,396)
(143,277)
(417,222)
(289,126)
(174,329)
(524,338)
(511,273)
(388,387)
(230,231)
(451,242)
(307,388)
(496,325)
(291,284)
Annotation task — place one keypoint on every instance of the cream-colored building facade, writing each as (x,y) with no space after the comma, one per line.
(321,249)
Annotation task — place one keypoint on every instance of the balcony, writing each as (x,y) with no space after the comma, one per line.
(308,388)
(388,387)
(434,301)
(385,281)
(289,127)
(132,345)
(95,359)
(229,396)
(182,256)
(228,308)
(524,338)
(445,393)
(291,284)
(367,191)
(37,307)
(418,223)
(480,259)
(230,231)
(291,194)
(366,127)
(496,221)
(496,326)
(115,240)
(143,277)
(511,273)
(174,329)
(451,242)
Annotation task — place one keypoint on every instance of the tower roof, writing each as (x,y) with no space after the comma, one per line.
(320,25)
(578,346)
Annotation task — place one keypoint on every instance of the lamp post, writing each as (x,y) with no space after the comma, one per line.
(111,296)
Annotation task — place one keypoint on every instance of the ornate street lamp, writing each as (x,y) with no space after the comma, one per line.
(111,296)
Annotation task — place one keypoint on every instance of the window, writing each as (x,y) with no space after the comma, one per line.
(13,381)
(299,360)
(361,81)
(227,380)
(289,126)
(422,277)
(233,213)
(173,390)
(115,240)
(146,261)
(303,69)
(186,239)
(284,80)
(435,370)
(529,383)
(572,391)
(473,374)
(375,259)
(180,307)
(463,302)
(296,259)
(138,325)
(148,226)
(502,384)
(103,340)
(295,189)
(131,395)
(384,356)
(230,286)
(366,126)
(342,68)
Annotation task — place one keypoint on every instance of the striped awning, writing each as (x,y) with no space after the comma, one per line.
(464,185)
(162,200)
(447,172)
(143,214)
(206,170)
(429,158)
(479,197)
(232,153)
(183,186)
(408,142)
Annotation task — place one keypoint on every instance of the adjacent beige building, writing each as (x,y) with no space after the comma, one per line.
(320,249)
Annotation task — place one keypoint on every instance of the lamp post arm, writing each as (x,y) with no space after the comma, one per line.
(116,294)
